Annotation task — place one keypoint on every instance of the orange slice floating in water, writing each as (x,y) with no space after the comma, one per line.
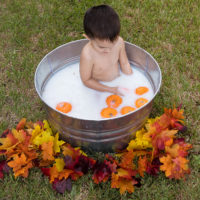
(140,102)
(108,112)
(113,101)
(126,109)
(64,107)
(141,90)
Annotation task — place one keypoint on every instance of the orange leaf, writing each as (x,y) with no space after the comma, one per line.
(21,124)
(47,151)
(20,165)
(142,165)
(8,142)
(127,160)
(174,168)
(119,181)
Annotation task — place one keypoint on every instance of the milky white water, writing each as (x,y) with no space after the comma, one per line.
(66,86)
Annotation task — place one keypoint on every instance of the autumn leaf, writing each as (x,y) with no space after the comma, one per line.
(8,142)
(179,148)
(174,168)
(20,165)
(102,171)
(44,137)
(57,143)
(20,135)
(127,160)
(47,151)
(142,165)
(123,180)
(55,174)
(21,124)
(4,168)
(59,163)
(62,185)
(142,141)
(165,138)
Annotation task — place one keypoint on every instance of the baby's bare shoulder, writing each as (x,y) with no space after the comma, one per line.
(86,52)
(120,42)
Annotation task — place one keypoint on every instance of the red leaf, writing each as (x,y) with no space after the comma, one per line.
(21,124)
(102,171)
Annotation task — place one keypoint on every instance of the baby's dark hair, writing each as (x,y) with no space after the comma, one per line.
(101,22)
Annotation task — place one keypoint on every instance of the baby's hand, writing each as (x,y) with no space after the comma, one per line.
(124,91)
(115,90)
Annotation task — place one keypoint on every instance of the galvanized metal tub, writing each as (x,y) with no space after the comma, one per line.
(105,135)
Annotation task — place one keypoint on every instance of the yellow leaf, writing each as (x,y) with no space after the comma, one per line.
(57,143)
(47,127)
(142,141)
(59,164)
(19,135)
(36,132)
(44,137)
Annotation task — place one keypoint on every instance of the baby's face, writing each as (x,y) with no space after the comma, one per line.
(103,46)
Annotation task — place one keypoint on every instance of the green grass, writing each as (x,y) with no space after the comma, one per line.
(169,30)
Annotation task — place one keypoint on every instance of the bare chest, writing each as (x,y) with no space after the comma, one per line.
(105,66)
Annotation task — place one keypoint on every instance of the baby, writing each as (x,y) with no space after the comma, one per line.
(101,56)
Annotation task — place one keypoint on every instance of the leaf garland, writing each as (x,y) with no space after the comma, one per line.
(155,148)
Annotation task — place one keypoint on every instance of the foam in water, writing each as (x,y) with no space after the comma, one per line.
(66,86)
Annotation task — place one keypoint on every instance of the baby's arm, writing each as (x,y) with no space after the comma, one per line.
(123,60)
(86,66)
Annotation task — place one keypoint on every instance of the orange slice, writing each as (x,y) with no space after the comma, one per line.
(140,102)
(108,112)
(113,101)
(64,107)
(126,109)
(141,90)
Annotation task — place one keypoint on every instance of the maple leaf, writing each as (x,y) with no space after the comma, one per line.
(159,141)
(20,135)
(57,143)
(62,186)
(123,180)
(8,142)
(44,137)
(20,165)
(45,171)
(174,168)
(47,151)
(47,127)
(59,163)
(153,167)
(142,165)
(127,160)
(102,171)
(21,124)
(4,168)
(142,141)
(37,131)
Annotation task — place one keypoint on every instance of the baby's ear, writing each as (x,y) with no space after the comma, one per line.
(84,35)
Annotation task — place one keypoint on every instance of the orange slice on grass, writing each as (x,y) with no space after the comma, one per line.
(64,107)
(113,101)
(140,102)
(108,112)
(126,109)
(141,90)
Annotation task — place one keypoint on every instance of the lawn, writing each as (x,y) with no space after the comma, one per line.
(169,30)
